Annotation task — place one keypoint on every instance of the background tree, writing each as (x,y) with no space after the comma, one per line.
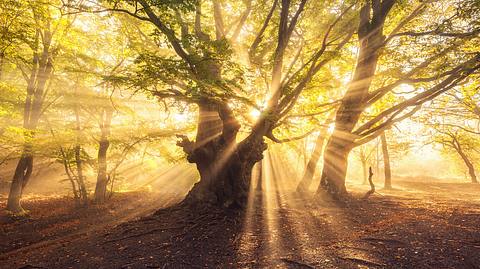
(395,56)
(462,144)
(311,166)
(386,162)
(41,69)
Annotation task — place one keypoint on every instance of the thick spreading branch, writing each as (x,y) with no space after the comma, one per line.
(451,81)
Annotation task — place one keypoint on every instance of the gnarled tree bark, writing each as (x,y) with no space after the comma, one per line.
(225,166)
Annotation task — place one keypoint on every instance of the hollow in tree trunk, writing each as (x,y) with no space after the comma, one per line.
(386,162)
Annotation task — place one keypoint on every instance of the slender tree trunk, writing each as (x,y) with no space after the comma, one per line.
(78,159)
(2,61)
(102,178)
(386,162)
(471,172)
(468,163)
(306,181)
(24,167)
(69,175)
(72,181)
(41,71)
(377,161)
(81,178)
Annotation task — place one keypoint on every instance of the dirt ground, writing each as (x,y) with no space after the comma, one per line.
(416,225)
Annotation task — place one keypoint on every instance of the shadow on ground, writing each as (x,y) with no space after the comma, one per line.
(279,229)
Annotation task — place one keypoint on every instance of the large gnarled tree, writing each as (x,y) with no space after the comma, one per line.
(222,66)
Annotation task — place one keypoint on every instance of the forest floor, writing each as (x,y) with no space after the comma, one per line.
(416,225)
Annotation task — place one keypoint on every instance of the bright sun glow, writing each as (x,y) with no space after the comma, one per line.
(255,114)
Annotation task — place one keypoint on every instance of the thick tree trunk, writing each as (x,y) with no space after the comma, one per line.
(306,181)
(227,185)
(225,166)
(371,41)
(226,180)
(386,163)
(22,174)
(335,164)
